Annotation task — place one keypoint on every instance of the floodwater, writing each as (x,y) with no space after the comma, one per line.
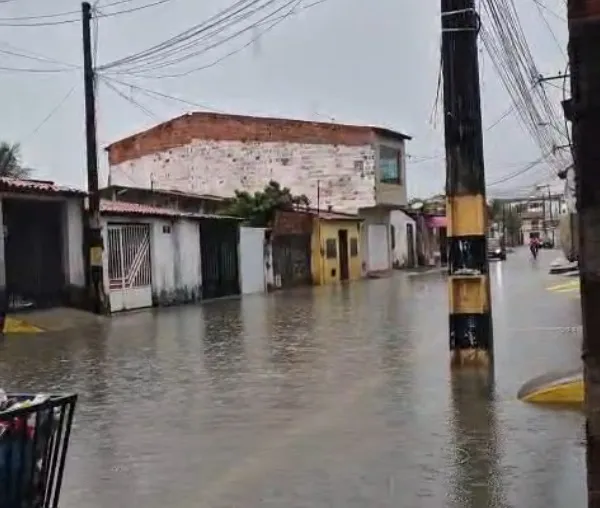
(326,397)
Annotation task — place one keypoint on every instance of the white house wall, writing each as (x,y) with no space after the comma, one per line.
(344,175)
(73,228)
(400,253)
(174,256)
(188,275)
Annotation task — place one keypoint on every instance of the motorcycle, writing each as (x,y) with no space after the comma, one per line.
(534,248)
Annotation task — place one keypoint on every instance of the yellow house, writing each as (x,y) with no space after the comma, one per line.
(336,255)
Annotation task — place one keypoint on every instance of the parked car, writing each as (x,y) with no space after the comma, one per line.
(496,249)
(547,243)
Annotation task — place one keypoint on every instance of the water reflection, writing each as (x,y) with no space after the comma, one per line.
(224,352)
(477,480)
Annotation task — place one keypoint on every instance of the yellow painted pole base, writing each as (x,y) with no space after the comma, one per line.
(554,388)
(460,358)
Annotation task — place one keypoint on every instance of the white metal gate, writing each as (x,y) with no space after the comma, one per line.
(252,260)
(129,267)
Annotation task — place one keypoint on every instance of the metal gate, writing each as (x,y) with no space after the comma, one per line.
(129,266)
(291,259)
(219,258)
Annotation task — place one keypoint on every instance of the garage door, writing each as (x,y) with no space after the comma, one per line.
(378,248)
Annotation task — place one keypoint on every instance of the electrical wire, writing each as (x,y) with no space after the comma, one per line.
(70,16)
(161,95)
(22,53)
(184,46)
(139,106)
(540,8)
(520,172)
(214,21)
(543,6)
(504,40)
(47,118)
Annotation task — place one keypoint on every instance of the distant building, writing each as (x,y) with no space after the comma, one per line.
(354,169)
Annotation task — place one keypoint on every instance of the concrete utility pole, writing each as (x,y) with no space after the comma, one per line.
(584,111)
(93,235)
(471,341)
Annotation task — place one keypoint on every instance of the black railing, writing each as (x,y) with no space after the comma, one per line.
(34,437)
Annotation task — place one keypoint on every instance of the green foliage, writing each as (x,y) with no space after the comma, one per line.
(259,208)
(10,161)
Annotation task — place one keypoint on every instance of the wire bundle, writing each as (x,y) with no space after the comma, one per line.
(505,43)
(253,17)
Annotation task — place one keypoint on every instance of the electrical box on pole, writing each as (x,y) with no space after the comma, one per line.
(470,320)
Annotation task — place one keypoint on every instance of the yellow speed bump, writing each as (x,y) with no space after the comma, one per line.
(13,325)
(565,287)
(554,388)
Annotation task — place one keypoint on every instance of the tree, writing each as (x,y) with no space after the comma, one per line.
(259,208)
(10,161)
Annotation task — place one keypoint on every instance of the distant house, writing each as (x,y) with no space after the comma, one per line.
(156,256)
(318,247)
(42,252)
(352,168)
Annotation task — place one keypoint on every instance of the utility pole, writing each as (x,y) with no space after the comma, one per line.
(470,320)
(93,236)
(504,223)
(552,227)
(544,226)
(583,109)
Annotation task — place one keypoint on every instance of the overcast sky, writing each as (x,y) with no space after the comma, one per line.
(357,61)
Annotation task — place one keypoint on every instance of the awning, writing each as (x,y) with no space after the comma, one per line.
(436,222)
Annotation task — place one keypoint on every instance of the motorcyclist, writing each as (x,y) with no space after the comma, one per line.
(534,246)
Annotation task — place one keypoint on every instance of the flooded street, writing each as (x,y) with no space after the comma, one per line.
(325,397)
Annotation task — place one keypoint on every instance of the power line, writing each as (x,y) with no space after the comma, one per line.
(48,19)
(192,32)
(522,171)
(154,94)
(175,50)
(139,106)
(543,6)
(34,70)
(558,44)
(22,53)
(52,112)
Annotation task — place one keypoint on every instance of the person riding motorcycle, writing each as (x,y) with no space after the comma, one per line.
(534,246)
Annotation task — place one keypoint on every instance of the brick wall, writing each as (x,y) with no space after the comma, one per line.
(216,127)
(292,223)
(341,176)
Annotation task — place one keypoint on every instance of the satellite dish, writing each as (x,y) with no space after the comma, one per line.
(418,205)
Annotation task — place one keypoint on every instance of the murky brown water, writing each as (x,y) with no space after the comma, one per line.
(333,397)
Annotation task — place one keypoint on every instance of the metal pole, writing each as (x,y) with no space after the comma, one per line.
(584,111)
(94,242)
(470,319)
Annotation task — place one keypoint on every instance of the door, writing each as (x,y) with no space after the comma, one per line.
(291,259)
(343,253)
(378,248)
(410,247)
(33,250)
(252,260)
(129,266)
(443,238)
(219,258)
